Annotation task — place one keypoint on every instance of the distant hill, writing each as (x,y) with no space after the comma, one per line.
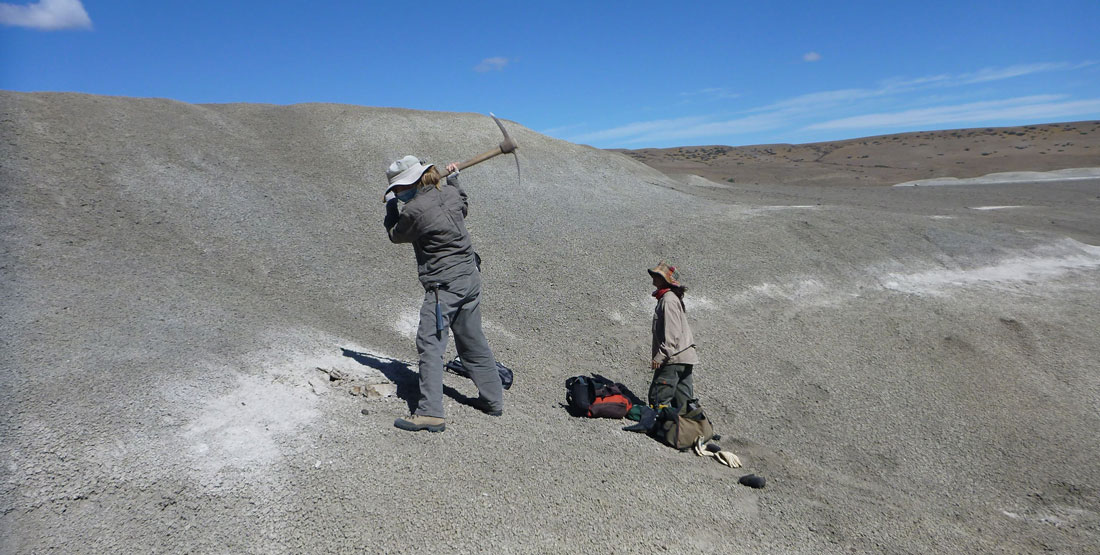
(888,159)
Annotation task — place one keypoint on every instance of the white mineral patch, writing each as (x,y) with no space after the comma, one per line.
(699,181)
(994,207)
(296,353)
(275,395)
(1008,271)
(1002,178)
(492,328)
(802,290)
(408,320)
(1046,263)
(776,208)
(697,302)
(242,429)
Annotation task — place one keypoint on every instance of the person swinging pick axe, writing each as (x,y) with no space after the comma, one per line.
(433,220)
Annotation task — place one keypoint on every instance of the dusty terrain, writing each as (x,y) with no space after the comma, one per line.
(888,159)
(914,369)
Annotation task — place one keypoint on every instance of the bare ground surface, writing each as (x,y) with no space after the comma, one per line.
(914,369)
(888,159)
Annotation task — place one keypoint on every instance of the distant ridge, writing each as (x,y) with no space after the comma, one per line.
(888,159)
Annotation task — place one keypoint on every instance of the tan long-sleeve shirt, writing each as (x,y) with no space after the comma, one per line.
(673,342)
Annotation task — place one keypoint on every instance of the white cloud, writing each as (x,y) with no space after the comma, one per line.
(748,124)
(638,128)
(819,100)
(492,64)
(1032,108)
(47,15)
(811,57)
(556,131)
(828,105)
(711,93)
(827,99)
(996,74)
(682,129)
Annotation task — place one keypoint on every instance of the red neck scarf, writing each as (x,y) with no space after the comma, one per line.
(661,292)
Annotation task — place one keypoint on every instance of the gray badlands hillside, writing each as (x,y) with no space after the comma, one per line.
(917,374)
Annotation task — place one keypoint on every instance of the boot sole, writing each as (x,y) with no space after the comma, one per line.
(402,425)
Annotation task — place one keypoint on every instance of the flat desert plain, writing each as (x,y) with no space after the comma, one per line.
(194,294)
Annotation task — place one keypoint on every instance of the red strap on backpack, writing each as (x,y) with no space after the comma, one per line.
(609,406)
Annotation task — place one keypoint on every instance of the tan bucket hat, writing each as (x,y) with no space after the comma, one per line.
(667,272)
(405,171)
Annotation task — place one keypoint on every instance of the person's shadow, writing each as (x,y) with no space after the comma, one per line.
(406,380)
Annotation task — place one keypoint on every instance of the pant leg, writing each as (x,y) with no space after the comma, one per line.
(662,388)
(472,346)
(685,390)
(431,345)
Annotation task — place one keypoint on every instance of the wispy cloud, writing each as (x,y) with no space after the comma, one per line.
(898,85)
(1027,107)
(641,128)
(806,112)
(820,100)
(681,129)
(556,131)
(811,57)
(710,93)
(996,74)
(492,64)
(46,15)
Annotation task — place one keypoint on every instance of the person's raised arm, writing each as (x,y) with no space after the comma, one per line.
(452,180)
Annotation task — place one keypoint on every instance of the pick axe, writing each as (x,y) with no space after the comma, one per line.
(507,146)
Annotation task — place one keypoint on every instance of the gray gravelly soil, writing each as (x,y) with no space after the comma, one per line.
(908,379)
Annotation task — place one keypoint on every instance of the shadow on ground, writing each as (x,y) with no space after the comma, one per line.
(406,380)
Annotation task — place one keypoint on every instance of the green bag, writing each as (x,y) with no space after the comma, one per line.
(682,429)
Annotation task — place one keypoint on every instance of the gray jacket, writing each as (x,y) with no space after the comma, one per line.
(434,221)
(673,342)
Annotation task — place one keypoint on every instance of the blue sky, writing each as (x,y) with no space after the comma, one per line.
(609,74)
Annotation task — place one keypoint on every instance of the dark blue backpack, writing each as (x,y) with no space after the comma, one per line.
(506,375)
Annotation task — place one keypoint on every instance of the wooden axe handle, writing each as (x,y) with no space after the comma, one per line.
(475,160)
(506,146)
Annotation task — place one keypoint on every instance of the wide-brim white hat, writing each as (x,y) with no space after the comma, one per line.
(405,171)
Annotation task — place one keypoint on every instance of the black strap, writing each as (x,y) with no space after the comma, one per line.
(434,288)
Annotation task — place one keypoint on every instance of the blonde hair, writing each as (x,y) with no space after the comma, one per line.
(429,178)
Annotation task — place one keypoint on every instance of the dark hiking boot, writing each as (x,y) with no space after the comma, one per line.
(482,404)
(415,423)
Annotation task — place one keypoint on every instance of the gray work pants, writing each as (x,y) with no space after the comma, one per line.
(671,385)
(460,305)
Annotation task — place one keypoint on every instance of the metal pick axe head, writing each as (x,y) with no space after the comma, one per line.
(507,146)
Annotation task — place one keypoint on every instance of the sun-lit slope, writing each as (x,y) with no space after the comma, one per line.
(174,274)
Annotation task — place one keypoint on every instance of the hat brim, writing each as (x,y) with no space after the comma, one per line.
(668,279)
(408,177)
